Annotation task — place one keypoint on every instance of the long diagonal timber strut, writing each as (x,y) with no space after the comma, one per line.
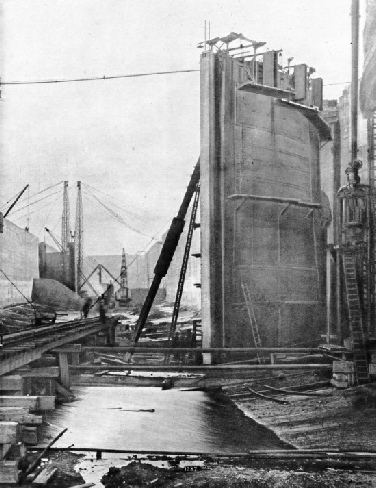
(168,250)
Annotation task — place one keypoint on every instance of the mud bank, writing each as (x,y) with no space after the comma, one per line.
(240,473)
(344,419)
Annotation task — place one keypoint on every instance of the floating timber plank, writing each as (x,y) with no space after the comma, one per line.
(86,485)
(44,476)
(68,348)
(31,402)
(9,471)
(9,432)
(51,372)
(11,383)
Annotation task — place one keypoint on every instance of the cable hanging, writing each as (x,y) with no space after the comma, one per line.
(148,215)
(97,78)
(115,215)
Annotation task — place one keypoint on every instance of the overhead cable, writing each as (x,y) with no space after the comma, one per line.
(133,214)
(40,192)
(115,215)
(36,201)
(97,78)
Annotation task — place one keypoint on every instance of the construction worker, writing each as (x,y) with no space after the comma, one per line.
(102,309)
(86,308)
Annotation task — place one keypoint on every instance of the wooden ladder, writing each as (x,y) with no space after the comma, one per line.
(252,319)
(355,319)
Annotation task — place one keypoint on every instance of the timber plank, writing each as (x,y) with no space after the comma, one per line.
(26,418)
(31,402)
(44,476)
(86,485)
(9,472)
(11,382)
(50,372)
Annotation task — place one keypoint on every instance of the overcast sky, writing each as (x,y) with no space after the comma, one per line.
(134,139)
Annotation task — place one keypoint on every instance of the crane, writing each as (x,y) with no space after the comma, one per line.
(168,250)
(78,238)
(54,238)
(65,219)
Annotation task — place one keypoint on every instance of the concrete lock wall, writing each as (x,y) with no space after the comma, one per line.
(19,261)
(254,145)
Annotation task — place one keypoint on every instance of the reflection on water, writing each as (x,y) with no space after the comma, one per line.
(182,421)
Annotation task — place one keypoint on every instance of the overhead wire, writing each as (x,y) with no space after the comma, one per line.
(97,78)
(36,201)
(115,215)
(40,192)
(118,206)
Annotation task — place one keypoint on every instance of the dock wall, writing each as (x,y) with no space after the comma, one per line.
(19,261)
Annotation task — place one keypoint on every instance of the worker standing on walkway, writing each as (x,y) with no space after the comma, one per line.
(102,309)
(86,308)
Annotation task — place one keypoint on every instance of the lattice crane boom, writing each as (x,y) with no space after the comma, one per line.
(78,237)
(65,219)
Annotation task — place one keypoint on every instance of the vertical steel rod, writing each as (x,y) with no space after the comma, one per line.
(354,81)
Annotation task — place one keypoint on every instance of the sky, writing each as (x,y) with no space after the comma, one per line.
(133,142)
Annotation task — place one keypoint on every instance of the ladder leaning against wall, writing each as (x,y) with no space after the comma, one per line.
(252,320)
(355,318)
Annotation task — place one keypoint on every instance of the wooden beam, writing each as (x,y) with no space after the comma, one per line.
(242,350)
(21,418)
(11,383)
(31,402)
(44,476)
(68,348)
(64,391)
(9,433)
(64,369)
(203,369)
(9,471)
(50,372)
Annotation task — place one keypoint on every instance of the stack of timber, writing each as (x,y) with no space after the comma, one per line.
(20,417)
(21,316)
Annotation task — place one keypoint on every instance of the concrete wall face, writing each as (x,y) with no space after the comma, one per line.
(57,266)
(252,144)
(19,261)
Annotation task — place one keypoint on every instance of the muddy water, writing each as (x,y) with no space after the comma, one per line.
(182,421)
